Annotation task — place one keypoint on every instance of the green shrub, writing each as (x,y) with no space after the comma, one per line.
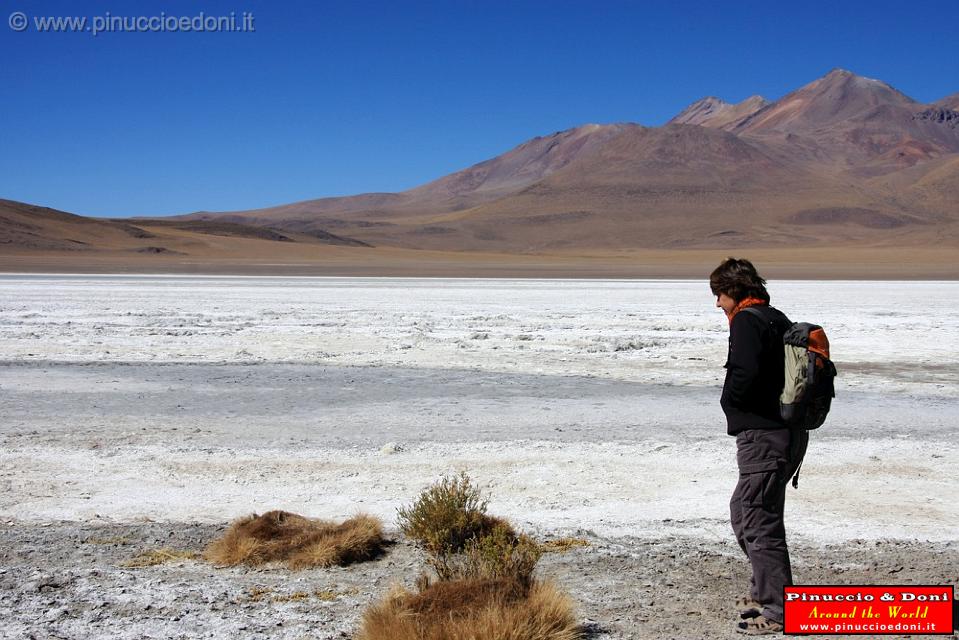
(501,554)
(446,515)
(462,542)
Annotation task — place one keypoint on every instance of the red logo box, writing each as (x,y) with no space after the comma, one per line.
(868,609)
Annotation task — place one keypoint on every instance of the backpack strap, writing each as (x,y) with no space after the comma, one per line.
(762,316)
(756,312)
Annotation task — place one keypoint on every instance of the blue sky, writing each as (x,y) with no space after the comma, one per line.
(336,98)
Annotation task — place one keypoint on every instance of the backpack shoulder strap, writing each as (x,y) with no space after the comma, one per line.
(759,314)
(774,318)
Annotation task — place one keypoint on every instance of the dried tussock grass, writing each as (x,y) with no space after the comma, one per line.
(468,609)
(562,545)
(300,542)
(259,594)
(115,540)
(328,595)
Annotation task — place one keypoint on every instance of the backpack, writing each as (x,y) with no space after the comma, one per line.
(808,388)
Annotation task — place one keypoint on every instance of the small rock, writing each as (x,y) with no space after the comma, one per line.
(391,448)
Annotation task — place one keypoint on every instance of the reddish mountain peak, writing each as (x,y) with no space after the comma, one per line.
(716,113)
(848,81)
(754,101)
(701,111)
(839,96)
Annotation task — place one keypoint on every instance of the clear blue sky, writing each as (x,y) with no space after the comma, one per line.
(343,97)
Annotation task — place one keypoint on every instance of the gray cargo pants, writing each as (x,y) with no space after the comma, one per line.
(767,459)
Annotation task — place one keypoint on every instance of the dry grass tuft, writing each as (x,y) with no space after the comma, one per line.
(259,594)
(328,595)
(300,542)
(154,557)
(115,540)
(562,545)
(447,515)
(296,596)
(469,609)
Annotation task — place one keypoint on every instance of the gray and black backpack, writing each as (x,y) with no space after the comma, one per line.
(808,389)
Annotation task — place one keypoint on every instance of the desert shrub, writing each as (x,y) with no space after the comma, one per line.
(298,541)
(499,554)
(447,515)
(500,609)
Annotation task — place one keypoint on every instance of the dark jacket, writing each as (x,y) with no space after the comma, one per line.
(754,370)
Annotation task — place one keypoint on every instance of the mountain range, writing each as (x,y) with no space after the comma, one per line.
(844,161)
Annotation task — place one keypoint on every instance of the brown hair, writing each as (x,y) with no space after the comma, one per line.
(738,279)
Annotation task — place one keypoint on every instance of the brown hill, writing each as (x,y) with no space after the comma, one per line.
(800,169)
(482,182)
(26,228)
(674,186)
(844,161)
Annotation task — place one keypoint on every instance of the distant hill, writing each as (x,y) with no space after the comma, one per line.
(26,228)
(753,173)
(843,161)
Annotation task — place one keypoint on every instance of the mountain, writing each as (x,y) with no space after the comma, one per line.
(674,186)
(805,168)
(844,161)
(848,122)
(714,112)
(26,228)
(522,166)
(837,98)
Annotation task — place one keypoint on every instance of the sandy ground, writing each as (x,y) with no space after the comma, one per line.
(66,580)
(204,254)
(143,414)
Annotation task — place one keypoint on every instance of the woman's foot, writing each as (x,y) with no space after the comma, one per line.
(748,608)
(759,625)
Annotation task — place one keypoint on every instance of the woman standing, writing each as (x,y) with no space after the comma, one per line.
(767,452)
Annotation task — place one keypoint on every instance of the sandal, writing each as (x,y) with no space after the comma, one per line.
(759,626)
(746,607)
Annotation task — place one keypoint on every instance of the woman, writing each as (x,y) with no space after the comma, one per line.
(767,452)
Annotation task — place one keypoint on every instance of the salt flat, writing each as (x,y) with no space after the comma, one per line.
(887,335)
(585,407)
(507,378)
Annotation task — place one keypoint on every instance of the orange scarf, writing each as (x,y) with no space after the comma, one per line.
(745,302)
